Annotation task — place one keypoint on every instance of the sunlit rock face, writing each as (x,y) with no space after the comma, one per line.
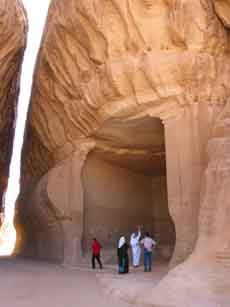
(222,8)
(120,88)
(12,43)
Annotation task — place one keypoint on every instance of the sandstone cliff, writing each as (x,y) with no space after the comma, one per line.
(120,60)
(12,43)
(136,83)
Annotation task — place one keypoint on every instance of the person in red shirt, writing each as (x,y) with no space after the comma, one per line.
(96,250)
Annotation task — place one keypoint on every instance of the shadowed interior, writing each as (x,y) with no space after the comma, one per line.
(125,184)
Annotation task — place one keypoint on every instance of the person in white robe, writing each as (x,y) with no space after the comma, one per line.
(136,248)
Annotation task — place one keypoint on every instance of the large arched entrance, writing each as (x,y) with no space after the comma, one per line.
(124,181)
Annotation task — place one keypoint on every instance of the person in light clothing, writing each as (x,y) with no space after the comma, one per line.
(136,248)
(149,245)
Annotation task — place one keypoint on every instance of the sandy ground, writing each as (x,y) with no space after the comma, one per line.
(129,286)
(26,283)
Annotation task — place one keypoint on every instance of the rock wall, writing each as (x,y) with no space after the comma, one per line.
(40,233)
(164,230)
(12,43)
(202,280)
(116,200)
(129,74)
(127,61)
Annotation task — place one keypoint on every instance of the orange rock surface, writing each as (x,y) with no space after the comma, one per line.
(143,86)
(12,43)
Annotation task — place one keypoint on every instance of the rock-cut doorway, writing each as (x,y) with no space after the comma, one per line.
(125,185)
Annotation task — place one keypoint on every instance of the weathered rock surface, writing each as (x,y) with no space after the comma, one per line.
(203,279)
(12,44)
(106,73)
(222,8)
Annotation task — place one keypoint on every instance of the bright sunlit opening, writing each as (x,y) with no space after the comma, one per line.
(36,12)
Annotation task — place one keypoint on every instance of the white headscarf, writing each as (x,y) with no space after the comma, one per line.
(121,242)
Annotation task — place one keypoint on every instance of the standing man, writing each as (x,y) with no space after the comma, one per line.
(149,245)
(123,257)
(135,245)
(96,251)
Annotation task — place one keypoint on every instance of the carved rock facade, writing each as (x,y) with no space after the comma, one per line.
(131,84)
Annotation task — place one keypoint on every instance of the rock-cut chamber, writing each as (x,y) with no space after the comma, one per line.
(124,182)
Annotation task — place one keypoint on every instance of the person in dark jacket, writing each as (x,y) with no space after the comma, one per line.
(96,253)
(123,257)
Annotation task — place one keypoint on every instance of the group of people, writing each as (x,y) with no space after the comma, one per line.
(135,244)
(122,252)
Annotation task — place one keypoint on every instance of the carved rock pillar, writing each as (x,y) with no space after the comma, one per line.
(185,137)
(65,192)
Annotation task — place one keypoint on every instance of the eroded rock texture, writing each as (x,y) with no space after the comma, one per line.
(120,88)
(12,44)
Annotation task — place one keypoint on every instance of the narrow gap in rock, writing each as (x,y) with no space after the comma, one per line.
(36,14)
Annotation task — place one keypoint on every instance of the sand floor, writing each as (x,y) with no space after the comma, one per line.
(127,287)
(27,283)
